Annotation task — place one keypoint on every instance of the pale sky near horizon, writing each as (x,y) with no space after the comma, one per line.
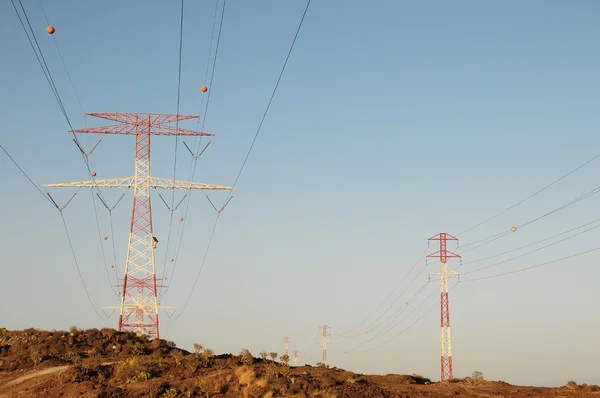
(394,121)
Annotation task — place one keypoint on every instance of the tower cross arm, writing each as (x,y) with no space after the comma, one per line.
(439,254)
(129,117)
(153,182)
(143,128)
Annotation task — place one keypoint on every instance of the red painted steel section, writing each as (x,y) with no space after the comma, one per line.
(142,125)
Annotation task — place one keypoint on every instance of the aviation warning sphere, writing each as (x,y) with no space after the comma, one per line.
(93,174)
(50,29)
(204,89)
(513,229)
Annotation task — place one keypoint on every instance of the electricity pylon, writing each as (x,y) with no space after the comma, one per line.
(444,272)
(286,341)
(324,336)
(139,288)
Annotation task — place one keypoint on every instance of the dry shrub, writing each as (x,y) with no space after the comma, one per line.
(36,356)
(245,375)
(128,368)
(177,355)
(246,357)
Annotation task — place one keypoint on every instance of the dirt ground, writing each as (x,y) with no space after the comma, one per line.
(106,363)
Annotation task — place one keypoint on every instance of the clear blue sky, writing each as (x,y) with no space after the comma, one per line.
(395,120)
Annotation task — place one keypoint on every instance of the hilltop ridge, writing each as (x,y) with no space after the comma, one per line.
(107,363)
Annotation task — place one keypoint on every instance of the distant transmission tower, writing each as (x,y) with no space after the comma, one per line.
(444,272)
(324,335)
(286,341)
(139,305)
(296,357)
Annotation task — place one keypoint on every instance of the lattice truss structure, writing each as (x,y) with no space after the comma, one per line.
(444,273)
(139,303)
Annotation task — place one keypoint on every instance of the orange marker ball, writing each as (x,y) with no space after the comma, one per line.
(513,229)
(106,237)
(204,89)
(180,218)
(93,174)
(50,29)
(112,266)
(172,259)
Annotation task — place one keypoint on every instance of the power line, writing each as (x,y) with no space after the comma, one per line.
(46,70)
(178,97)
(172,209)
(251,145)
(497,236)
(532,251)
(42,62)
(409,326)
(41,59)
(271,99)
(26,176)
(532,195)
(531,267)
(64,224)
(196,157)
(390,295)
(87,293)
(531,244)
(63,61)
(472,280)
(212,234)
(397,314)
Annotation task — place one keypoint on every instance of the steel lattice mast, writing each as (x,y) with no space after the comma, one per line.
(139,304)
(324,336)
(444,272)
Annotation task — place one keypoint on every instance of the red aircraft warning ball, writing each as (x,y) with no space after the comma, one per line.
(106,237)
(50,29)
(93,174)
(180,218)
(513,229)
(204,89)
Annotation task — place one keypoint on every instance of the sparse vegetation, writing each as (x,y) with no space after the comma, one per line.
(197,348)
(477,375)
(246,357)
(107,363)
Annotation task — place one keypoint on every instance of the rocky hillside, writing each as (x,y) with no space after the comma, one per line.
(106,363)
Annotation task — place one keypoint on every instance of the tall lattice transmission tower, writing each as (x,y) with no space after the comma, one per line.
(139,304)
(324,336)
(444,272)
(286,341)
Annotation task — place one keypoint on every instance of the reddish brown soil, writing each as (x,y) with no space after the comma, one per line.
(106,363)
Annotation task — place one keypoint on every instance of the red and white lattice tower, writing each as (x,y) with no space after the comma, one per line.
(444,272)
(286,341)
(139,305)
(324,335)
(296,357)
